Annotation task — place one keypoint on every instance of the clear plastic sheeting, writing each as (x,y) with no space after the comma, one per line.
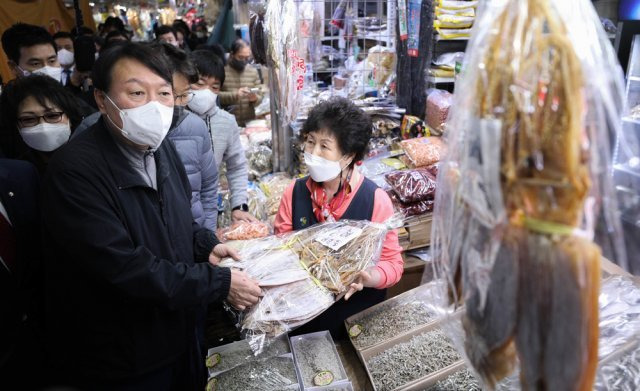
(276,373)
(525,179)
(619,314)
(621,372)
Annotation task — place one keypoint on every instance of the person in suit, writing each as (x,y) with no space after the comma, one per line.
(20,306)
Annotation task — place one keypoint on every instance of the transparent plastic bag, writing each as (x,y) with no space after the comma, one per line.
(438,105)
(412,185)
(244,230)
(525,179)
(409,209)
(223,358)
(302,273)
(259,159)
(273,187)
(424,151)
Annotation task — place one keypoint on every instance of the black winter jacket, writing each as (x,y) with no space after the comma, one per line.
(125,266)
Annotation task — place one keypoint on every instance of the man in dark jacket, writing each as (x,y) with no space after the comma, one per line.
(20,285)
(126,266)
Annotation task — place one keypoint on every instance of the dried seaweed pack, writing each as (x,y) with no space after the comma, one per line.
(525,178)
(303,273)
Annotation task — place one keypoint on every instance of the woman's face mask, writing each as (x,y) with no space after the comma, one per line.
(46,137)
(321,169)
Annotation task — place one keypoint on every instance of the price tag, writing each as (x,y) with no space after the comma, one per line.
(338,237)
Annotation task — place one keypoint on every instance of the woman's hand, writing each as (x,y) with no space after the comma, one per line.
(369,278)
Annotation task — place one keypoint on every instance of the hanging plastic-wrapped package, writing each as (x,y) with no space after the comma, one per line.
(526,177)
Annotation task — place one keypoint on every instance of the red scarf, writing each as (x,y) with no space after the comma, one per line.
(323,209)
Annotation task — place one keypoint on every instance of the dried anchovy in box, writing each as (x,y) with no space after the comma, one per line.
(315,354)
(225,357)
(622,374)
(390,321)
(277,373)
(459,381)
(423,355)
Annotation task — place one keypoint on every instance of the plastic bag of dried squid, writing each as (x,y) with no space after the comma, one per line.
(304,272)
(522,188)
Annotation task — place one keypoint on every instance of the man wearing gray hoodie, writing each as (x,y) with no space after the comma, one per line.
(224,129)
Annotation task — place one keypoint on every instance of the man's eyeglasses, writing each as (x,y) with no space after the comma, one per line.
(32,120)
(185,98)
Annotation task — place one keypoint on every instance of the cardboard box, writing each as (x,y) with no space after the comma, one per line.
(419,231)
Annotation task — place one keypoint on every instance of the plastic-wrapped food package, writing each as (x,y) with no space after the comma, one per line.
(424,151)
(223,358)
(304,272)
(448,21)
(438,105)
(412,185)
(273,187)
(525,179)
(259,159)
(417,208)
(413,126)
(257,10)
(244,230)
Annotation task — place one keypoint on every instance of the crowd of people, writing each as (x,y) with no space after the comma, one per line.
(108,256)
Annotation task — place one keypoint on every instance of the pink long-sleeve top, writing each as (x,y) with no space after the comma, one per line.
(391,263)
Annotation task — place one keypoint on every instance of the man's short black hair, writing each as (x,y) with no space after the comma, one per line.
(178,61)
(114,22)
(144,54)
(22,35)
(62,35)
(182,26)
(216,49)
(45,91)
(238,44)
(350,125)
(164,29)
(208,64)
(115,33)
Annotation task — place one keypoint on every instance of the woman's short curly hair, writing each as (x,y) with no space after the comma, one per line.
(351,126)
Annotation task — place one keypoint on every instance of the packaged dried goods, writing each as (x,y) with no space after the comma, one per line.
(412,185)
(438,105)
(527,174)
(304,272)
(424,151)
(243,230)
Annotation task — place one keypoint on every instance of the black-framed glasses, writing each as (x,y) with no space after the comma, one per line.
(27,121)
(184,98)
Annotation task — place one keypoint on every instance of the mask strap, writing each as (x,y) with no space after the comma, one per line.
(109,118)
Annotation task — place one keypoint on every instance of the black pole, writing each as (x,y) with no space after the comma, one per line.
(79,20)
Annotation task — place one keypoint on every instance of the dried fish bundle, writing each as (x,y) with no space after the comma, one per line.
(303,273)
(334,253)
(525,177)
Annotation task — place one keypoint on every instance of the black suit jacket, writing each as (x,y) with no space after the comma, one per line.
(19,193)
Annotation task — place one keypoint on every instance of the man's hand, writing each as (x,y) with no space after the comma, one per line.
(369,278)
(222,251)
(244,291)
(244,92)
(240,215)
(253,97)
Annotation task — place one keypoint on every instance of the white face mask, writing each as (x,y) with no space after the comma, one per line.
(53,72)
(65,57)
(46,137)
(203,101)
(145,125)
(321,169)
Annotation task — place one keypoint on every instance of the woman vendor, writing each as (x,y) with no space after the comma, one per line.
(336,135)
